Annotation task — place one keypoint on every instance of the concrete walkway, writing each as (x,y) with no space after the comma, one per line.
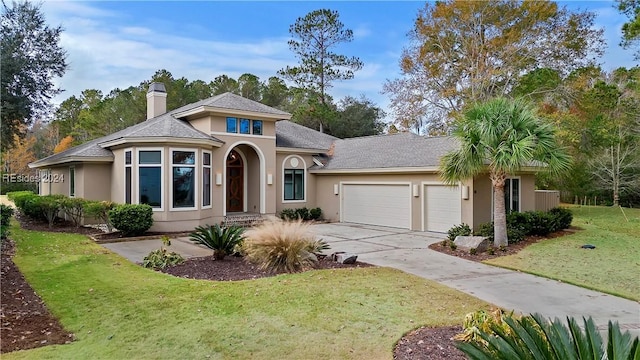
(511,290)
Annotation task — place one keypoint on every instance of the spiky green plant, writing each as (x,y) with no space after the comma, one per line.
(282,246)
(222,240)
(535,338)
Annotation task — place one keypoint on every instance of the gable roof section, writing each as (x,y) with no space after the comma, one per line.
(231,102)
(402,150)
(160,128)
(292,135)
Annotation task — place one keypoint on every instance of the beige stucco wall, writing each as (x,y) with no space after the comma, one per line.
(330,203)
(305,161)
(92,181)
(483,195)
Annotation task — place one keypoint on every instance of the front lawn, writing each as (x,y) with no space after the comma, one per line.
(119,310)
(612,267)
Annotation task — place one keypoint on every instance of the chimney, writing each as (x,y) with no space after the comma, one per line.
(156,100)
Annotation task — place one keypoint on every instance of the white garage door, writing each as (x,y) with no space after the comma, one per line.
(377,204)
(442,208)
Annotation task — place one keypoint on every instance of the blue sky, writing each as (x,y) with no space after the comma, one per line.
(116,44)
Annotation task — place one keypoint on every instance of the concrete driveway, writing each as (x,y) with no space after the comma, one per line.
(408,251)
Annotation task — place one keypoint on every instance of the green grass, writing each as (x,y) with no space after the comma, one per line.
(118,310)
(613,267)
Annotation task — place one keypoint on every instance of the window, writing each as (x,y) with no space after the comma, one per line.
(206,179)
(512,195)
(257,127)
(150,178)
(72,181)
(127,177)
(184,179)
(232,125)
(294,184)
(244,126)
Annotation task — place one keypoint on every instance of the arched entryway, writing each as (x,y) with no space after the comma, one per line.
(235,182)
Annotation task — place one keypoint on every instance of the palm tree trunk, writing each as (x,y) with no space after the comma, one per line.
(499,211)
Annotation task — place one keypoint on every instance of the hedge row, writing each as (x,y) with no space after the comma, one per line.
(130,219)
(521,224)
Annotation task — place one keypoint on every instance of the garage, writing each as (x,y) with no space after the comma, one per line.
(442,208)
(381,204)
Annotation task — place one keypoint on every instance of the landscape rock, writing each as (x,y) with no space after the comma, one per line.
(479,243)
(345,258)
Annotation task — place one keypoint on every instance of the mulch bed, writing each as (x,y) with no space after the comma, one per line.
(509,250)
(25,322)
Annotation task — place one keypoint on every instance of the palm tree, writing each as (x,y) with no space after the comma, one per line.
(501,136)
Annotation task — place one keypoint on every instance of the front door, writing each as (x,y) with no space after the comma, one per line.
(235,183)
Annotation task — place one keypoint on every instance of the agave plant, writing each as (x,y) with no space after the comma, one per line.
(533,337)
(222,240)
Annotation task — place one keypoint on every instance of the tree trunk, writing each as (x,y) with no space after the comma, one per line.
(499,211)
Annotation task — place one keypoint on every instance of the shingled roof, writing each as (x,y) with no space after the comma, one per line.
(292,135)
(161,127)
(233,102)
(402,150)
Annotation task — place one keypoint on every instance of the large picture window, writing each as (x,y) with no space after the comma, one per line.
(184,178)
(150,178)
(206,179)
(293,184)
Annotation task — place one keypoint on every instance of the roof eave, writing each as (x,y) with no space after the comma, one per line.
(423,169)
(218,110)
(158,139)
(70,159)
(284,149)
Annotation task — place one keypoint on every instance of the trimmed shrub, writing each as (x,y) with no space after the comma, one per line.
(301,213)
(281,246)
(315,213)
(513,234)
(485,229)
(49,206)
(222,240)
(519,221)
(100,211)
(458,230)
(132,219)
(563,217)
(6,212)
(288,214)
(542,223)
(74,208)
(20,197)
(7,187)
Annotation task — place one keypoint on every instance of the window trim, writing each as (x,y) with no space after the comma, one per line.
(130,166)
(509,178)
(136,199)
(210,167)
(72,181)
(196,173)
(302,165)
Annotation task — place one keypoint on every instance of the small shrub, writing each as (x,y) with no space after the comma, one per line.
(452,245)
(491,250)
(541,223)
(6,212)
(563,218)
(481,321)
(281,246)
(459,230)
(515,235)
(303,213)
(222,240)
(519,221)
(315,213)
(45,207)
(485,229)
(18,197)
(288,214)
(161,258)
(74,208)
(132,219)
(473,251)
(100,211)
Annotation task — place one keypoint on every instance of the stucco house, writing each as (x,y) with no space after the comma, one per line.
(227,156)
